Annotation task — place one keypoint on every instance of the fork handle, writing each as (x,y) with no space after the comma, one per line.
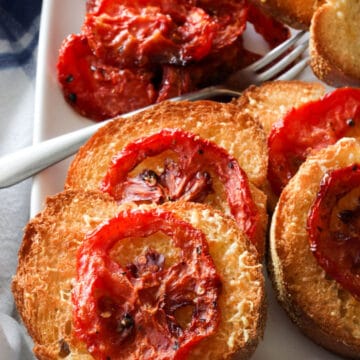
(24,163)
(30,160)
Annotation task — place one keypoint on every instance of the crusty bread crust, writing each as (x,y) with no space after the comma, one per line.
(296,14)
(325,312)
(334,43)
(46,271)
(221,123)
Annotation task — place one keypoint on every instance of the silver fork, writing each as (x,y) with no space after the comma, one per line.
(29,161)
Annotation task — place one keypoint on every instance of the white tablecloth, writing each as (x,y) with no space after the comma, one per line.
(19,30)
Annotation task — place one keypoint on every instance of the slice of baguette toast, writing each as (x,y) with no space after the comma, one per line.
(220,123)
(318,305)
(46,272)
(335,44)
(296,14)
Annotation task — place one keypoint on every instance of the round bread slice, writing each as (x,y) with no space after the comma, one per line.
(334,43)
(46,273)
(322,309)
(240,135)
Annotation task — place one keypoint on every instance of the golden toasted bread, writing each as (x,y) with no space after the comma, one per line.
(270,101)
(240,135)
(323,310)
(334,43)
(296,14)
(46,273)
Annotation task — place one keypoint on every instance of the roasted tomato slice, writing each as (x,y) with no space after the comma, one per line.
(311,126)
(334,227)
(97,90)
(129,311)
(184,178)
(177,33)
(131,38)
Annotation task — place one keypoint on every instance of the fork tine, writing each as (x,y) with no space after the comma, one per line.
(295,70)
(283,63)
(274,53)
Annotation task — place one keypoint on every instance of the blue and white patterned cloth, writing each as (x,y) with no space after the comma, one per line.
(19,32)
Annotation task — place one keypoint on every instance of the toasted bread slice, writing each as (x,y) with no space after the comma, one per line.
(239,134)
(296,14)
(322,309)
(334,43)
(46,273)
(270,101)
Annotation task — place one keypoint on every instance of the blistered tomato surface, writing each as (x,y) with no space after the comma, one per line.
(148,51)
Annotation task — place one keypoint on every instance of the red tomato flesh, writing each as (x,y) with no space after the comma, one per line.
(96,89)
(128,312)
(312,126)
(335,237)
(185,180)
